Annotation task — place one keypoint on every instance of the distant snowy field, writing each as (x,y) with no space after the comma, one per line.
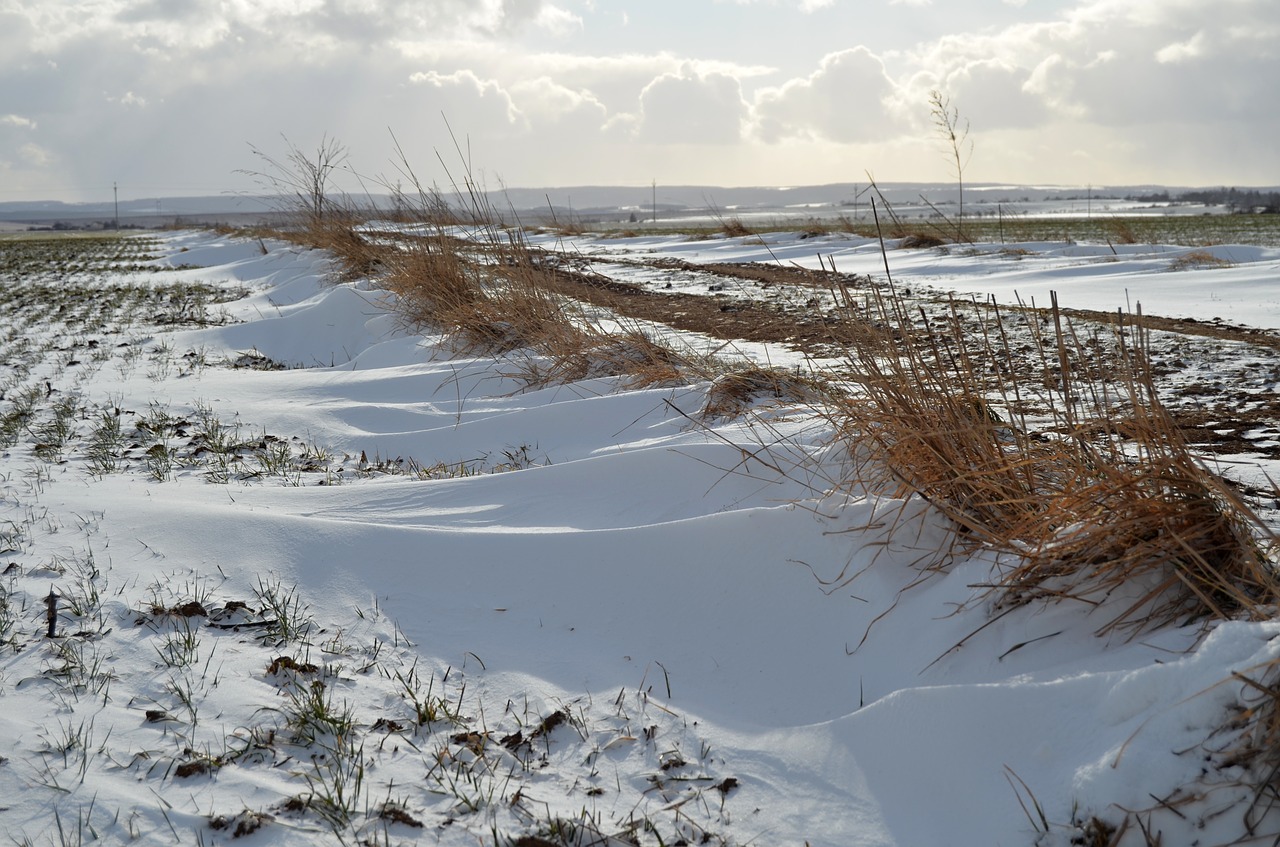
(739,653)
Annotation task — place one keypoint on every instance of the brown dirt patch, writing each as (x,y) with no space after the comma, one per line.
(718,316)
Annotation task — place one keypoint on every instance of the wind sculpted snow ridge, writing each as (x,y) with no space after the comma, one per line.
(323,581)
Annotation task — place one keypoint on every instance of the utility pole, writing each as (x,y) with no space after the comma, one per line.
(655,201)
(115,198)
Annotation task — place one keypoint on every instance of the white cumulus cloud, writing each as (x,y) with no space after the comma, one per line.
(1182,51)
(844,100)
(692,108)
(18,121)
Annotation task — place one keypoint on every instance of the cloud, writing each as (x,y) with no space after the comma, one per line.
(991,93)
(129,99)
(487,105)
(18,121)
(806,6)
(544,101)
(692,108)
(1111,62)
(845,100)
(1072,93)
(189,26)
(1182,51)
(161,93)
(35,156)
(515,15)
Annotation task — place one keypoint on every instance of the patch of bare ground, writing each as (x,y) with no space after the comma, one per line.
(765,274)
(724,317)
(1190,326)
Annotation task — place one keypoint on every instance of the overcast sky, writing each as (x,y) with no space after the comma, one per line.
(166,97)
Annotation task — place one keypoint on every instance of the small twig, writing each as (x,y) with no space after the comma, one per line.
(1022,644)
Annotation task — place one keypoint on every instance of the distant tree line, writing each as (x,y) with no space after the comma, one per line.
(1235,199)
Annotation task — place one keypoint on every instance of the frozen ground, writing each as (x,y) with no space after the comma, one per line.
(432,605)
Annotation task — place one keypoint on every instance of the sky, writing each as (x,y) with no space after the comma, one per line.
(172,97)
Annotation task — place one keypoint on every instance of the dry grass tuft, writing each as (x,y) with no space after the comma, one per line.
(337,232)
(429,276)
(492,293)
(918,240)
(1098,496)
(856,227)
(515,309)
(1121,231)
(813,228)
(592,354)
(570,229)
(734,393)
(735,228)
(1198,259)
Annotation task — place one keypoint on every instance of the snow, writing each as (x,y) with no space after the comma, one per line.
(691,592)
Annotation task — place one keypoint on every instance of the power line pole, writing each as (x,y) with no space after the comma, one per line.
(115,199)
(655,201)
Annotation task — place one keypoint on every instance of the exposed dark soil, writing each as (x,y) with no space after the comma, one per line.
(720,316)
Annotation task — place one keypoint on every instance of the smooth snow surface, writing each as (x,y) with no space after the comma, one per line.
(692,593)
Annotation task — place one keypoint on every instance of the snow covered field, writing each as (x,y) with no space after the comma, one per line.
(1231,282)
(391,594)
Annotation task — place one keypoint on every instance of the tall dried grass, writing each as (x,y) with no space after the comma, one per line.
(1060,454)
(337,231)
(484,285)
(456,267)
(313,211)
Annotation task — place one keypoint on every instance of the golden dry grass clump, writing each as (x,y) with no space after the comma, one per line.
(485,293)
(734,393)
(1065,459)
(592,353)
(429,276)
(916,240)
(337,231)
(1197,259)
(497,294)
